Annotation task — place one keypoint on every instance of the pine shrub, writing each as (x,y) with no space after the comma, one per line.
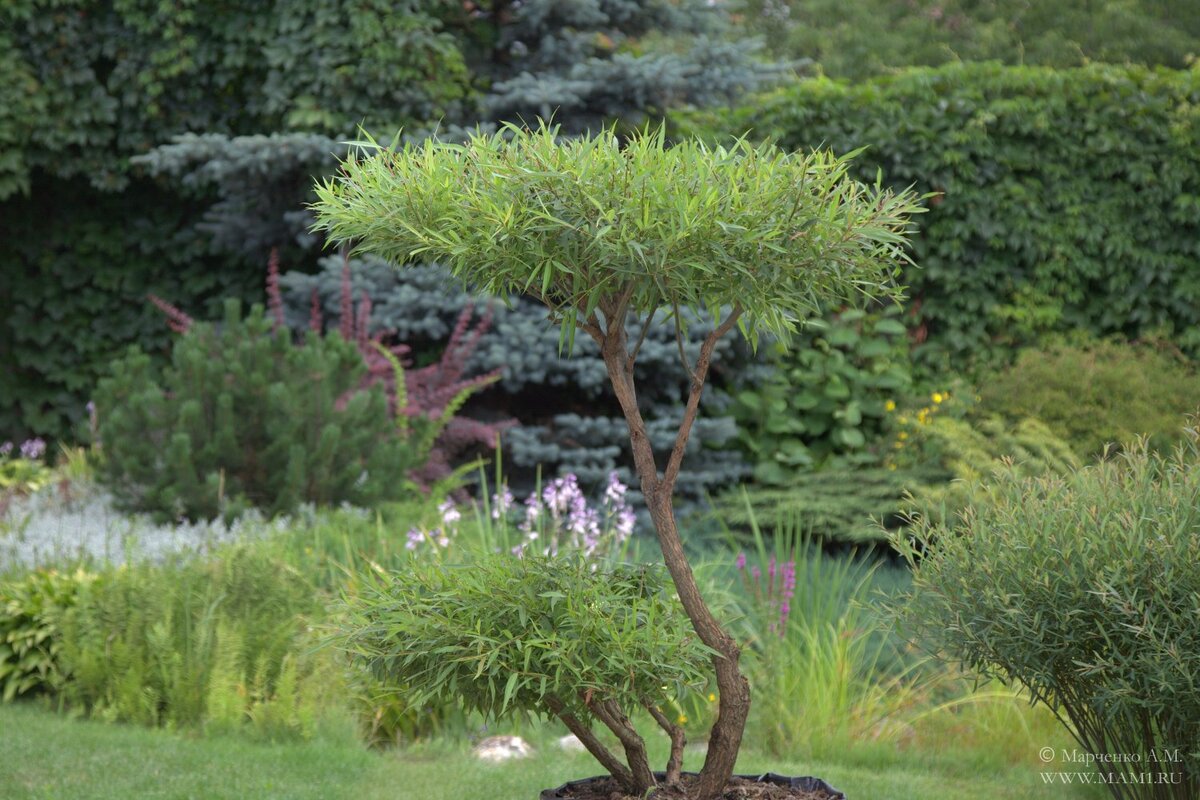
(243,418)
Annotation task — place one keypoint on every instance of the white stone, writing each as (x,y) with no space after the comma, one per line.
(571,744)
(502,748)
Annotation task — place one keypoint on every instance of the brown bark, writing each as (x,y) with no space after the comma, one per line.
(584,734)
(678,741)
(734,704)
(608,712)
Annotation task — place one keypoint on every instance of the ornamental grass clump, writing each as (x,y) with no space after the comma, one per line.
(1085,590)
(609,235)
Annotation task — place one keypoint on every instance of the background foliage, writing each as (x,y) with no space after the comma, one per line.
(1099,393)
(250,101)
(1069,198)
(569,420)
(861,38)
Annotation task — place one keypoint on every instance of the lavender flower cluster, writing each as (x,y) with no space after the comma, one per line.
(775,593)
(561,518)
(31,449)
(440,536)
(556,519)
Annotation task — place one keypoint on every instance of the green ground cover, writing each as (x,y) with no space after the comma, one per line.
(48,757)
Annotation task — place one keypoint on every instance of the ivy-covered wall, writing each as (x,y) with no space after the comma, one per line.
(1068,199)
(86,87)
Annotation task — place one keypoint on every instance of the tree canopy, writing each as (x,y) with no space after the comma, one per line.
(596,223)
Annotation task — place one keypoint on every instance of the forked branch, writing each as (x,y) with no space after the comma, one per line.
(693,402)
(678,740)
(608,712)
(593,745)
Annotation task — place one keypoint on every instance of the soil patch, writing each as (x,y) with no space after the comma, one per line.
(736,789)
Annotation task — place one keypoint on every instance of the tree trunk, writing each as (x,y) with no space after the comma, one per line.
(733,689)
(734,704)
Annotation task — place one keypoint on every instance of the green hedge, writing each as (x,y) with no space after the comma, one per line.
(1069,198)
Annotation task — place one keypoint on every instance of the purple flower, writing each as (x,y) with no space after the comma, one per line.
(450,514)
(415,537)
(785,608)
(614,494)
(502,501)
(533,510)
(741,561)
(6,448)
(789,579)
(33,448)
(626,519)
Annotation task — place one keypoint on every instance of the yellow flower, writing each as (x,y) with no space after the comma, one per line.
(682,719)
(937,397)
(712,698)
(902,435)
(890,405)
(903,420)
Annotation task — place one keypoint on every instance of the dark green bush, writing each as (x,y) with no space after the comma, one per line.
(242,417)
(1098,394)
(1084,589)
(827,394)
(1070,198)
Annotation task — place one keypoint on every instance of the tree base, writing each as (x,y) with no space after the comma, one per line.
(741,787)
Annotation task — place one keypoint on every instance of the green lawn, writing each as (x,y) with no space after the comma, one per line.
(48,756)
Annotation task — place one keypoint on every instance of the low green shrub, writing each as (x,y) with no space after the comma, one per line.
(22,469)
(507,636)
(843,502)
(1099,393)
(1084,589)
(31,609)
(242,418)
(827,396)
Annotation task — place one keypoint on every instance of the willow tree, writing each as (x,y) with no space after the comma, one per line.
(607,233)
